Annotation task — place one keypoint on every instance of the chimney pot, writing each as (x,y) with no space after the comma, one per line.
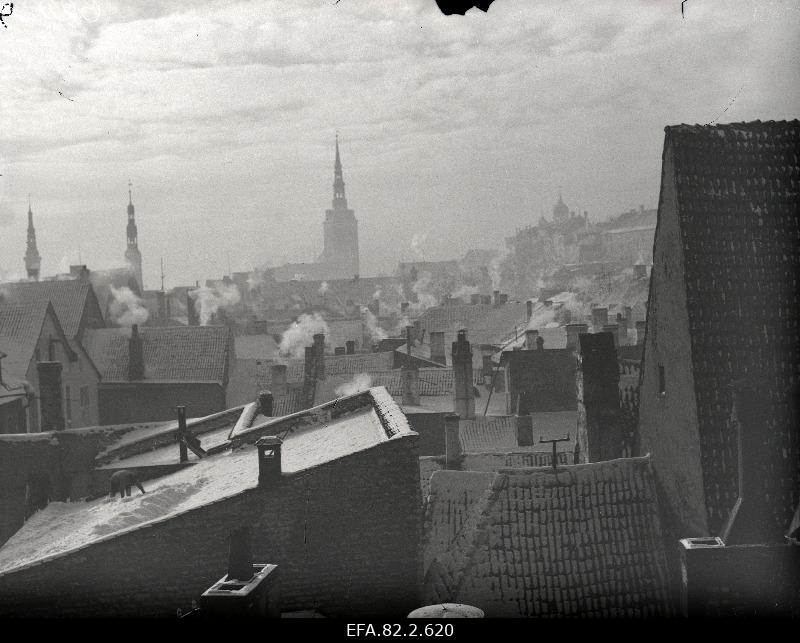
(269,459)
(350,347)
(265,403)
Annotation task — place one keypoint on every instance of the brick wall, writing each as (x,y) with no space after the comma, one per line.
(121,403)
(345,534)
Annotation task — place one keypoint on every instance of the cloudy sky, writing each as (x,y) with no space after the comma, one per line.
(456,129)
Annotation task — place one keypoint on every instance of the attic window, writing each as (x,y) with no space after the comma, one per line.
(662,385)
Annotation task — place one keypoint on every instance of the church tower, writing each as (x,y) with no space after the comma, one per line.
(32,259)
(340,250)
(132,255)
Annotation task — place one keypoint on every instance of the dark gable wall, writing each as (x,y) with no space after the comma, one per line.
(668,427)
(121,403)
(345,535)
(543,380)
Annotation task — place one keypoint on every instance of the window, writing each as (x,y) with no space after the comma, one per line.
(662,386)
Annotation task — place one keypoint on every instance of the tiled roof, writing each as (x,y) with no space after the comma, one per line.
(738,196)
(586,541)
(486,434)
(20,327)
(178,353)
(69,297)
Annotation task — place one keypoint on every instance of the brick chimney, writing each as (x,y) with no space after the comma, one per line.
(640,328)
(309,377)
(319,354)
(531,335)
(573,330)
(462,376)
(529,308)
(265,403)
(135,355)
(50,399)
(524,431)
(278,379)
(452,442)
(409,378)
(350,347)
(599,317)
(192,317)
(269,460)
(437,347)
(496,297)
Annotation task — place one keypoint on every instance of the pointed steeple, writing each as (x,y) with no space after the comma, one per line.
(339,199)
(32,259)
(132,255)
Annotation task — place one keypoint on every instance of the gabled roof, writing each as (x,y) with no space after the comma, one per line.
(20,329)
(738,209)
(586,541)
(177,353)
(70,297)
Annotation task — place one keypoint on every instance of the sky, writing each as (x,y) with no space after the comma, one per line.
(454,130)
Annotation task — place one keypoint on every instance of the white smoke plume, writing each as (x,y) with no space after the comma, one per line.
(210,300)
(126,308)
(301,334)
(323,288)
(416,245)
(496,267)
(464,292)
(376,333)
(422,289)
(360,382)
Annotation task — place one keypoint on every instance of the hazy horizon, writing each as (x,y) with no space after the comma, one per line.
(454,130)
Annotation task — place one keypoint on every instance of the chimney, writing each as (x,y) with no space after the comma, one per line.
(278,379)
(640,326)
(573,330)
(524,431)
(452,442)
(409,339)
(530,339)
(409,377)
(162,307)
(540,343)
(319,353)
(240,556)
(640,270)
(462,377)
(437,347)
(183,451)
(191,313)
(269,460)
(475,299)
(339,350)
(265,403)
(496,296)
(309,379)
(404,307)
(628,316)
(50,399)
(350,347)
(135,355)
(529,308)
(599,317)
(614,330)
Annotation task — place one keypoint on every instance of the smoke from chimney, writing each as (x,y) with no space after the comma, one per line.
(125,308)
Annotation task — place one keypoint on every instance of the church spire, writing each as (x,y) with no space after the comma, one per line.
(339,199)
(132,255)
(32,259)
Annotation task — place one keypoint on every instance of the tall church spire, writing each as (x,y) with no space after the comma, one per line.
(339,199)
(32,259)
(132,255)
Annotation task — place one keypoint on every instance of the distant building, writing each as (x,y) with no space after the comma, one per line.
(33,261)
(132,255)
(147,372)
(723,307)
(339,258)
